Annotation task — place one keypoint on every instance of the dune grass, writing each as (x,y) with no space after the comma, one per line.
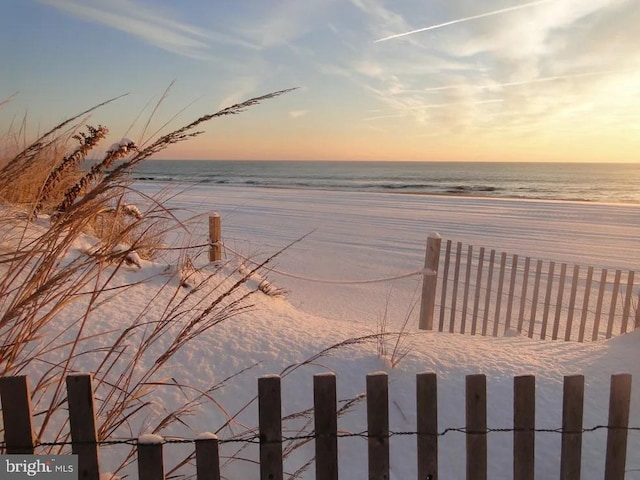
(68,231)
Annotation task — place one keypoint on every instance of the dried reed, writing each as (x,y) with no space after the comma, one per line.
(48,275)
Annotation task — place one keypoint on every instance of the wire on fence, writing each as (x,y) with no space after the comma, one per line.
(255,439)
(424,271)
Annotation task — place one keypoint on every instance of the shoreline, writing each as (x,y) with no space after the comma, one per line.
(546,229)
(477,194)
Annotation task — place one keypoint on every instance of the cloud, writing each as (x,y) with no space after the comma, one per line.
(135,19)
(271,25)
(244,88)
(298,113)
(548,61)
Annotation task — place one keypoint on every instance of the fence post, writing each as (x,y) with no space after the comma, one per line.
(83,425)
(476,420)
(326,426)
(16,415)
(378,425)
(215,237)
(572,408)
(427,405)
(429,282)
(207,457)
(619,400)
(150,462)
(270,422)
(524,424)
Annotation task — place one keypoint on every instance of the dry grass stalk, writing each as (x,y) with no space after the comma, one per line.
(45,272)
(73,160)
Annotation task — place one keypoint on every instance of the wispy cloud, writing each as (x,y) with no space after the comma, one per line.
(243,88)
(464,19)
(148,25)
(432,106)
(279,24)
(493,86)
(298,113)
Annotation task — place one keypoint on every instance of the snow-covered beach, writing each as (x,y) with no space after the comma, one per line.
(361,236)
(355,236)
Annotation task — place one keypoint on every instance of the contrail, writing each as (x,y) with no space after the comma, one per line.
(466,19)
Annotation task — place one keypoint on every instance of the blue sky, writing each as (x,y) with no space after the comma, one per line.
(547,80)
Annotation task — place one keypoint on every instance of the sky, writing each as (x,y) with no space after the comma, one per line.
(437,80)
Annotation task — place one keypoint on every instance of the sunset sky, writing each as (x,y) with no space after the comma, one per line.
(497,80)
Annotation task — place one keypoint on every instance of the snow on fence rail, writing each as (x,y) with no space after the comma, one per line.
(19,437)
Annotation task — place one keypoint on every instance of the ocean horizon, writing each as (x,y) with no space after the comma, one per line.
(589,182)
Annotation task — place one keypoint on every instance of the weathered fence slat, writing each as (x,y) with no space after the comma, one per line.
(547,301)
(572,408)
(585,304)
(16,415)
(572,302)
(207,457)
(445,279)
(427,419)
(524,422)
(270,423)
(430,282)
(476,421)
(215,237)
(326,426)
(512,288)
(556,318)
(619,400)
(523,299)
(454,293)
(614,300)
(476,300)
(598,314)
(378,425)
(467,281)
(496,318)
(150,461)
(627,303)
(534,299)
(83,425)
(487,298)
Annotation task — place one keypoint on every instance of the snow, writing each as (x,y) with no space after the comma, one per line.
(366,236)
(124,145)
(150,439)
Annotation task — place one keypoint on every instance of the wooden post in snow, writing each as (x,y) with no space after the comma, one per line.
(429,282)
(215,237)
(16,415)
(82,423)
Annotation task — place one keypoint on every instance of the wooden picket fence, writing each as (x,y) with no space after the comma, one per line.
(19,437)
(485,292)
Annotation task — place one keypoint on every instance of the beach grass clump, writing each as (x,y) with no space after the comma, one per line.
(71,242)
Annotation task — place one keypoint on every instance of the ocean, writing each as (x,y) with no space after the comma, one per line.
(609,183)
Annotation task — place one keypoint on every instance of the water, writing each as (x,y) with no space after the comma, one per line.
(615,183)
